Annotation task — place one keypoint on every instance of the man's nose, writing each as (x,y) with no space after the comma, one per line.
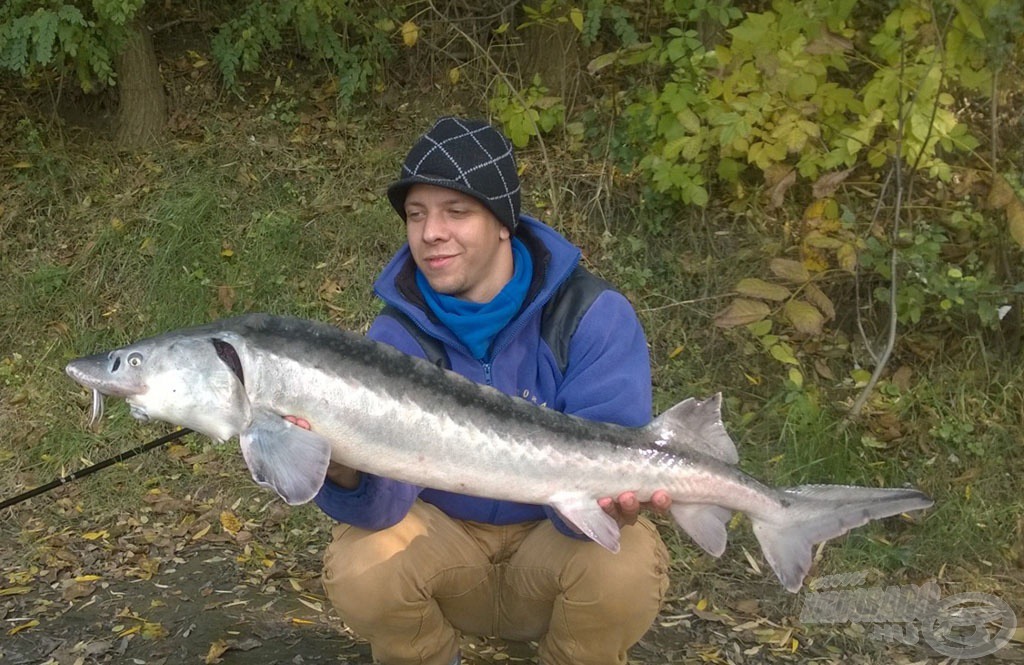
(434,227)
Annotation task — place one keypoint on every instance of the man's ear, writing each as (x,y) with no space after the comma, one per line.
(504,233)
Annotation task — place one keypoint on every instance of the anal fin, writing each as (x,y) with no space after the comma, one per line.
(704,523)
(585,514)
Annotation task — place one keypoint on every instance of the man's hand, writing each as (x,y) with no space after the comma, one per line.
(626,507)
(343,476)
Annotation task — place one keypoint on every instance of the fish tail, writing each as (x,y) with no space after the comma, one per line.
(816,513)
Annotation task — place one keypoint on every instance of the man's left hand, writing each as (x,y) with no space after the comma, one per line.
(626,507)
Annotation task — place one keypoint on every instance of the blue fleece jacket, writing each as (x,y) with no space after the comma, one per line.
(607,378)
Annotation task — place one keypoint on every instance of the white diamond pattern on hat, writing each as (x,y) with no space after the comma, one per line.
(455,151)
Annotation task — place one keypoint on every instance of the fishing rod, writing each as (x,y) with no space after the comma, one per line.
(82,473)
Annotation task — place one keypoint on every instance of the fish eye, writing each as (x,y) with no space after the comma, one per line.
(135,359)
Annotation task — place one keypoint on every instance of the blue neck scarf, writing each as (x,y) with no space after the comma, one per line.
(477,324)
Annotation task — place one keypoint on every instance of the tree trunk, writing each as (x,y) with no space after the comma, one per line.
(553,52)
(142,112)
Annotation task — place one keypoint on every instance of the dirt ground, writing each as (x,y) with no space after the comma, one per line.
(201,607)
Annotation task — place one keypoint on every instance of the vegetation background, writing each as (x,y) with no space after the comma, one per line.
(815,206)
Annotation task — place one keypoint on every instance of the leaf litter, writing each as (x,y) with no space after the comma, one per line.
(225,579)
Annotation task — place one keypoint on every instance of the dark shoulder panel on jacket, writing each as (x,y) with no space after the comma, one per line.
(433,349)
(562,314)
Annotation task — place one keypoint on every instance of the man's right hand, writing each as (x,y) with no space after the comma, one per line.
(339,474)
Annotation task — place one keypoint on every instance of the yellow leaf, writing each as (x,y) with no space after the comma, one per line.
(804,316)
(741,312)
(15,590)
(501,28)
(410,33)
(227,252)
(702,604)
(758,288)
(817,239)
(202,532)
(796,377)
(860,377)
(676,351)
(88,578)
(576,16)
(783,353)
(816,210)
(846,256)
(302,622)
(215,651)
(153,630)
(22,165)
(789,270)
(1015,220)
(28,624)
(230,522)
(117,223)
(95,535)
(454,74)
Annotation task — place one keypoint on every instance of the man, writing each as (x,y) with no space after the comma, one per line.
(500,298)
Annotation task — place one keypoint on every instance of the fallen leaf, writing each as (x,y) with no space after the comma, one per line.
(753,287)
(789,270)
(827,184)
(804,316)
(226,297)
(215,651)
(28,624)
(779,178)
(817,297)
(230,522)
(742,311)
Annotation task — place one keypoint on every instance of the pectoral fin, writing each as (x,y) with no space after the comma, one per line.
(286,458)
(583,512)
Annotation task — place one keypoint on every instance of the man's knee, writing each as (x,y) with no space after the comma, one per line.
(637,573)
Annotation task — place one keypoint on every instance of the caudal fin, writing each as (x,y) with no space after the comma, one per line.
(816,513)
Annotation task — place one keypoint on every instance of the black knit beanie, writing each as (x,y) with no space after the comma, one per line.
(468,156)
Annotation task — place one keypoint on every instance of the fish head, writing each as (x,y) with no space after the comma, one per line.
(194,381)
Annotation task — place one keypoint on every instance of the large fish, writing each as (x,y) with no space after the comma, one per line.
(381,411)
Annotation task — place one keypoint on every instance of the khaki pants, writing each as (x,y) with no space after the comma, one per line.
(413,588)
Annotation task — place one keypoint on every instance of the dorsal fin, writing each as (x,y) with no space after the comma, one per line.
(695,426)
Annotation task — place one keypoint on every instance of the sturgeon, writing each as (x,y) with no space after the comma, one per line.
(384,412)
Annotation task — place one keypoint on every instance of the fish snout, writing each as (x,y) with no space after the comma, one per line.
(107,373)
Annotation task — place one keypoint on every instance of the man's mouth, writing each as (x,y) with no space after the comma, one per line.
(436,262)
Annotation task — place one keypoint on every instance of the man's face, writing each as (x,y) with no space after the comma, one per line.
(458,244)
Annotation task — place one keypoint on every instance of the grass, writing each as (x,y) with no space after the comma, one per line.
(99,248)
